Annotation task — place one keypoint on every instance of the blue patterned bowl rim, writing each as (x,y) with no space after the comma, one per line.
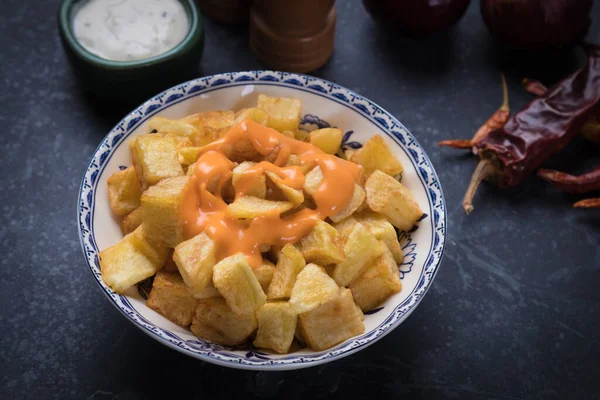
(253,359)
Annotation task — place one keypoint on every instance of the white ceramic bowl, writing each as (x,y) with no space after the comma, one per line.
(323,104)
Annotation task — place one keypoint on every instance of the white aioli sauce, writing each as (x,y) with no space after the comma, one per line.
(127,30)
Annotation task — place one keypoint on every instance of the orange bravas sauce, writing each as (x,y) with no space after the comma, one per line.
(204,210)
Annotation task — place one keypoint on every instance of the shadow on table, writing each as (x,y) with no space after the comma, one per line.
(547,66)
(417,55)
(152,370)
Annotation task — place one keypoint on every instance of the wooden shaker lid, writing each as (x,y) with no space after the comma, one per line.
(292,35)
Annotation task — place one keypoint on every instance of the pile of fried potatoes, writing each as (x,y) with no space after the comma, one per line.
(312,293)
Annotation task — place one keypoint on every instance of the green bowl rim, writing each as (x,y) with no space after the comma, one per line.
(195,32)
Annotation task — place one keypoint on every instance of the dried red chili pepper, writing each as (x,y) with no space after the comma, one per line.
(497,120)
(588,203)
(591,129)
(587,182)
(542,128)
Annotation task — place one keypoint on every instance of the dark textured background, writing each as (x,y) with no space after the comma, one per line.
(513,313)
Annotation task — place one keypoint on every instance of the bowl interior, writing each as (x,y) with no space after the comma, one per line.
(356,116)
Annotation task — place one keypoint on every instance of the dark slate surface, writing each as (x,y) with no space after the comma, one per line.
(513,312)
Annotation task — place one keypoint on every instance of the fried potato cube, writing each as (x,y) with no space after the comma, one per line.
(161,211)
(295,196)
(332,323)
(377,283)
(293,161)
(170,298)
(345,226)
(312,180)
(360,249)
(284,113)
(313,287)
(236,282)
(376,155)
(257,187)
(190,169)
(211,125)
(383,230)
(276,327)
(323,245)
(387,196)
(124,191)
(165,125)
(255,114)
(348,154)
(264,273)
(127,263)
(301,135)
(170,265)
(154,159)
(131,221)
(156,252)
(180,141)
(209,291)
(289,264)
(189,155)
(215,321)
(358,197)
(252,207)
(327,139)
(195,259)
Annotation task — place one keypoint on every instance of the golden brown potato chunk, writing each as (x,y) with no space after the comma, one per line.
(284,113)
(323,245)
(360,248)
(155,158)
(130,261)
(358,197)
(216,322)
(289,264)
(236,282)
(255,114)
(313,287)
(383,230)
(252,207)
(170,126)
(332,323)
(276,327)
(257,188)
(327,139)
(124,191)
(264,273)
(132,220)
(388,197)
(377,283)
(161,211)
(195,259)
(170,298)
(211,125)
(376,155)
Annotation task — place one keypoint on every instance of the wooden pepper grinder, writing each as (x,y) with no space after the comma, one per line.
(292,35)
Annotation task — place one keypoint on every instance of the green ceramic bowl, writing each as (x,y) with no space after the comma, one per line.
(133,81)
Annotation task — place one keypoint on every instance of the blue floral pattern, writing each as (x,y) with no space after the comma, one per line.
(254,359)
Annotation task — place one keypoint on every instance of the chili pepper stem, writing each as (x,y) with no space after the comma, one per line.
(505,105)
(483,170)
(457,143)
